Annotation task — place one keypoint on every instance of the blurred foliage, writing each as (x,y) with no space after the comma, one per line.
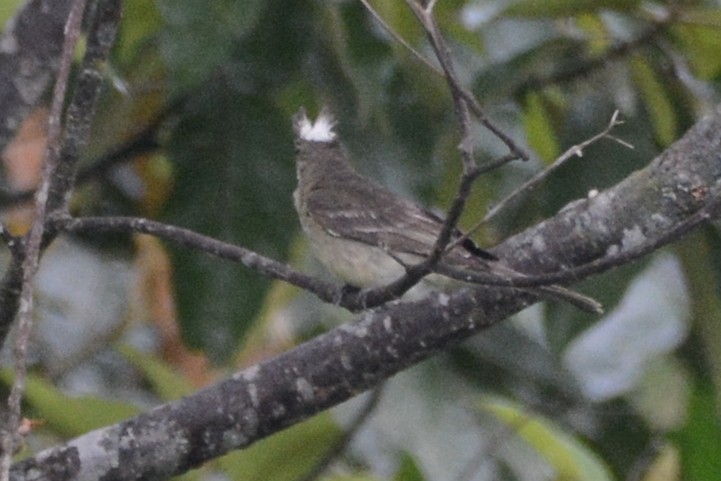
(70,416)
(216,84)
(286,455)
(566,455)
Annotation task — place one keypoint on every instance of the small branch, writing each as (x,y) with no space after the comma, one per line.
(576,150)
(82,106)
(710,211)
(64,154)
(35,237)
(470,170)
(184,237)
(345,361)
(354,301)
(415,53)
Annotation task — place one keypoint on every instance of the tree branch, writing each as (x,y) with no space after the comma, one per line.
(31,259)
(335,366)
(76,129)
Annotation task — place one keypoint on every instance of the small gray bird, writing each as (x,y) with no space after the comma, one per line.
(366,234)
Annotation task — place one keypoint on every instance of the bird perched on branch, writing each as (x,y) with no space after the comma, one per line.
(367,235)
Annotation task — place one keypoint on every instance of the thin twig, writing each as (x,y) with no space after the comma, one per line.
(574,151)
(76,130)
(708,212)
(35,236)
(187,238)
(355,301)
(470,170)
(82,107)
(415,53)
(472,103)
(326,291)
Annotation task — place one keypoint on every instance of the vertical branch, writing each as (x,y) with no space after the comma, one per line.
(58,176)
(460,104)
(82,107)
(80,110)
(29,264)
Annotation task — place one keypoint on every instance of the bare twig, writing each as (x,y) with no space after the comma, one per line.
(187,238)
(472,103)
(398,38)
(352,300)
(461,101)
(35,236)
(574,151)
(708,212)
(470,170)
(369,298)
(326,291)
(80,110)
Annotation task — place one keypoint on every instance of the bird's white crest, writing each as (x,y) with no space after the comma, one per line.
(319,131)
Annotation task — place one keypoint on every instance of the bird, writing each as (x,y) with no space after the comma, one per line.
(366,235)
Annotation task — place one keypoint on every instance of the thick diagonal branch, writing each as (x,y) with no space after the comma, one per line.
(338,365)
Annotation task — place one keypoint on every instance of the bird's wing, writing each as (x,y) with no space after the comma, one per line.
(368,213)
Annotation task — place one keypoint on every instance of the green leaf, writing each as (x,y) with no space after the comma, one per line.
(401,19)
(285,456)
(8,10)
(567,455)
(408,470)
(701,46)
(657,101)
(70,416)
(198,36)
(699,440)
(165,380)
(141,20)
(700,253)
(566,8)
(538,123)
(235,177)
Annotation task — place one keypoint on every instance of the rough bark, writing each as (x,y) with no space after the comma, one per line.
(357,356)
